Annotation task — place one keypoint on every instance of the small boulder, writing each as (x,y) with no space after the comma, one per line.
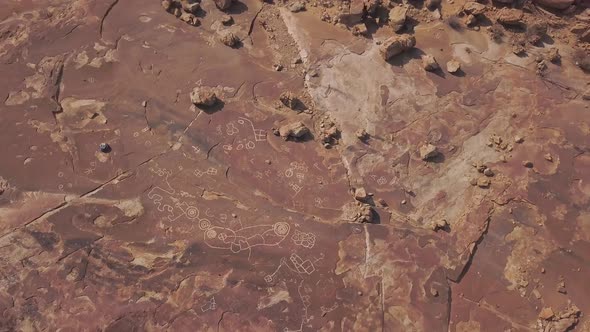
(546,313)
(228,38)
(354,15)
(428,151)
(167,5)
(293,130)
(361,134)
(190,19)
(360,194)
(203,96)
(191,8)
(396,45)
(535,32)
(483,182)
(429,63)
(582,30)
(104,147)
(397,17)
(474,8)
(297,6)
(288,99)
(360,30)
(510,16)
(227,20)
(435,225)
(553,55)
(453,66)
(364,214)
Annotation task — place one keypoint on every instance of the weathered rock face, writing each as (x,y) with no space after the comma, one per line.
(397,17)
(125,208)
(203,96)
(288,99)
(453,66)
(354,15)
(509,16)
(293,130)
(396,45)
(228,38)
(556,4)
(297,6)
(190,19)
(428,151)
(474,8)
(190,7)
(582,30)
(429,63)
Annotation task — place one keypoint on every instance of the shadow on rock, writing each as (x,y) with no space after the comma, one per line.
(218,106)
(237,7)
(404,58)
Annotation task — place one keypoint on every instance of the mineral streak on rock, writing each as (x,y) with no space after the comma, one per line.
(154,179)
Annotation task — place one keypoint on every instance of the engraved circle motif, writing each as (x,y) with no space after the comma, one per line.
(211,233)
(204,224)
(281,228)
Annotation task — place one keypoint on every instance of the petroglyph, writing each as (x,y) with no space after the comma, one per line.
(210,305)
(246,238)
(303,239)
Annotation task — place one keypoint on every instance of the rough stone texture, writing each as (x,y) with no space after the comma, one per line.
(228,38)
(203,96)
(397,17)
(556,4)
(201,220)
(396,45)
(582,30)
(354,14)
(293,130)
(428,151)
(429,63)
(453,66)
(297,6)
(474,8)
(510,16)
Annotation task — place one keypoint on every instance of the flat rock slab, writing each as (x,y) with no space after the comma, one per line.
(199,218)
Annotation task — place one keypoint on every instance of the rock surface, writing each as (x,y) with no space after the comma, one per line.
(429,63)
(397,17)
(428,151)
(453,66)
(556,4)
(510,16)
(474,8)
(203,96)
(293,130)
(200,219)
(396,45)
